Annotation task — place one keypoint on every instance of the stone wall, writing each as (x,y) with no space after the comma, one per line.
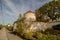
(38,26)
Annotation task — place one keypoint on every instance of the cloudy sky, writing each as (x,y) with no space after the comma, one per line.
(10,9)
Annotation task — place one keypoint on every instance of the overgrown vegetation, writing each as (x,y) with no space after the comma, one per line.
(53,31)
(48,34)
(51,10)
(10,28)
(1,26)
(21,25)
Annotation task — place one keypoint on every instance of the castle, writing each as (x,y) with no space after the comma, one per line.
(30,19)
(30,16)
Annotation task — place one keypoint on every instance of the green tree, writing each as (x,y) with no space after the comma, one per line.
(48,9)
(21,25)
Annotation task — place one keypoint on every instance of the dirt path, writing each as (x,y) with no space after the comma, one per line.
(6,35)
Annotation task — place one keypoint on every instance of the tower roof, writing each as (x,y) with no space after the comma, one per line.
(29,11)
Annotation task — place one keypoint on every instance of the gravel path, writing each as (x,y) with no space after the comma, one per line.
(12,36)
(3,34)
(6,35)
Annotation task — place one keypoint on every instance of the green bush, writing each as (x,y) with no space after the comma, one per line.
(28,35)
(10,28)
(41,36)
(1,26)
(52,31)
(38,35)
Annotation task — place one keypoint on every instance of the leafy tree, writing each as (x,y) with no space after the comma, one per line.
(48,9)
(21,25)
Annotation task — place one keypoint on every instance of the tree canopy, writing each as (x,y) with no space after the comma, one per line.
(51,9)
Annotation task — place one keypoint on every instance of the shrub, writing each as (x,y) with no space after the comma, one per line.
(28,35)
(51,31)
(41,36)
(10,28)
(49,37)
(1,26)
(38,35)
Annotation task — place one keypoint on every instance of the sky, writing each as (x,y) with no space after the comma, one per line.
(10,9)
